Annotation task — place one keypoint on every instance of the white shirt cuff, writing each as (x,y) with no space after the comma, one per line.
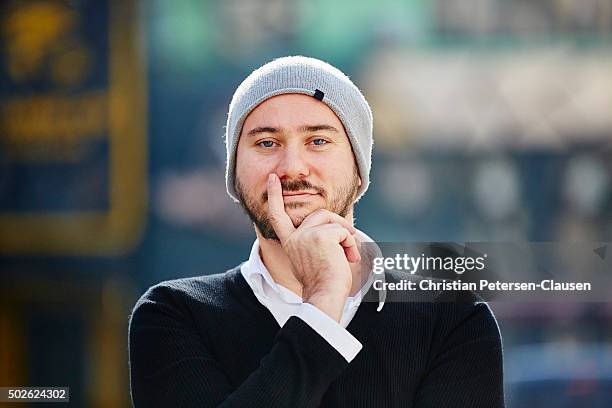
(336,335)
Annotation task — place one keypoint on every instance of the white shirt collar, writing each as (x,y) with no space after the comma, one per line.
(281,301)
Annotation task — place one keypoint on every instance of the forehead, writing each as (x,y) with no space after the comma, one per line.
(291,111)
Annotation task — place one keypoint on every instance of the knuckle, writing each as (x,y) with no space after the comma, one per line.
(320,212)
(339,228)
(317,236)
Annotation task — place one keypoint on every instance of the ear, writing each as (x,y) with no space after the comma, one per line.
(359,183)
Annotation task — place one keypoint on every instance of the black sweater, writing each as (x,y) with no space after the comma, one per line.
(207,342)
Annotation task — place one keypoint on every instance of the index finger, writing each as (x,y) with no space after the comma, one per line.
(281,222)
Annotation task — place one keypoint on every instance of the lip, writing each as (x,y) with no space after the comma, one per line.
(297,195)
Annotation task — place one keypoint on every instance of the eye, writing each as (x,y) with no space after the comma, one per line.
(266,143)
(319,142)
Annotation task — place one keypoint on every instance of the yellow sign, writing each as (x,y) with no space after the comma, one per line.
(75,102)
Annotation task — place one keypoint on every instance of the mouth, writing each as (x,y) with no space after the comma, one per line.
(297,195)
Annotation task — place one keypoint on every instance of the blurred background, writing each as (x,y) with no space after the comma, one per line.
(493,122)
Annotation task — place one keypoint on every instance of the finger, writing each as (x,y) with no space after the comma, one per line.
(326,217)
(281,222)
(336,228)
(350,249)
(346,240)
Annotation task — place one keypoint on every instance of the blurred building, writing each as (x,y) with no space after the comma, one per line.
(492,123)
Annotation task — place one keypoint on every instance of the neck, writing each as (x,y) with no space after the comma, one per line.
(279,265)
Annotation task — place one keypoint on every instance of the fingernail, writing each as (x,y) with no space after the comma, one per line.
(270,179)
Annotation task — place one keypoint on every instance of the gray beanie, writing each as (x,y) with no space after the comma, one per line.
(309,76)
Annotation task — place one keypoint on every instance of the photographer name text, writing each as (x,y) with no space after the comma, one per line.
(483,284)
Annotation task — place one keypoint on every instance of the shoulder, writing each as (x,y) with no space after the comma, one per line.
(178,296)
(196,287)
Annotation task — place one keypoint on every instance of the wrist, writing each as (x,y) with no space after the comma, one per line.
(330,303)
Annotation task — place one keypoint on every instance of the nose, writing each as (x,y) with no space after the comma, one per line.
(292,164)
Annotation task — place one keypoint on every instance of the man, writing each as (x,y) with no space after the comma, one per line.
(290,327)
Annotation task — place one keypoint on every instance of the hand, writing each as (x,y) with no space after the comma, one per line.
(320,250)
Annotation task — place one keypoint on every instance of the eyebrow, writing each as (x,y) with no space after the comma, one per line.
(316,128)
(303,129)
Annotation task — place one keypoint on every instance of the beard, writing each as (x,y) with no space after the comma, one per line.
(339,202)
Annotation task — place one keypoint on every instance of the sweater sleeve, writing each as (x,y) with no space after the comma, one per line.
(466,368)
(170,365)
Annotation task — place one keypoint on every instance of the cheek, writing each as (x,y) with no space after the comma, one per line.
(335,170)
(252,173)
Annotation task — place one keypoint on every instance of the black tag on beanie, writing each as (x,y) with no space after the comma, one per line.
(319,94)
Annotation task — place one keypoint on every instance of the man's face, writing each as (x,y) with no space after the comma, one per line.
(302,141)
